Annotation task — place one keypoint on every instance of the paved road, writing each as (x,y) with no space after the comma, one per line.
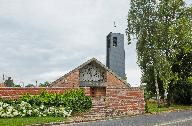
(183,118)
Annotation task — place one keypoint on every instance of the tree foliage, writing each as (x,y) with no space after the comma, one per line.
(30,85)
(148,80)
(161,29)
(181,91)
(9,82)
(45,84)
(17,85)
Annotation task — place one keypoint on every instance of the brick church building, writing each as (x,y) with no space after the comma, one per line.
(111,94)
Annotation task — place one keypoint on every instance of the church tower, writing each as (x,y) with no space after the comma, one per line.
(115,59)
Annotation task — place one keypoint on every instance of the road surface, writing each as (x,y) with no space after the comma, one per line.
(182,118)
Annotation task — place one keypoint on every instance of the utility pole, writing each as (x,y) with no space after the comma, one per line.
(3,78)
(36,83)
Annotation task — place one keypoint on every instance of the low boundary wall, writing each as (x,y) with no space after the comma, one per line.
(126,101)
(16,92)
(116,102)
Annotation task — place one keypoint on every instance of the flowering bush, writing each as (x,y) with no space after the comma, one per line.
(74,99)
(46,104)
(25,109)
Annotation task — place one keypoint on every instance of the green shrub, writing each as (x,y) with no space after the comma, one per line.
(46,104)
(75,99)
(181,93)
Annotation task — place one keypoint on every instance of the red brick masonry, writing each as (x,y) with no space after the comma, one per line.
(118,101)
(127,101)
(9,92)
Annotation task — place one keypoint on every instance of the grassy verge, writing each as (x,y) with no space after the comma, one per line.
(154,109)
(29,120)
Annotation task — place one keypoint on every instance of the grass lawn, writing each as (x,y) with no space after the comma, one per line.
(29,120)
(153,107)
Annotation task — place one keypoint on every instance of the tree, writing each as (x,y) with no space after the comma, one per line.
(181,91)
(142,26)
(30,85)
(17,85)
(9,82)
(153,24)
(169,13)
(148,79)
(45,84)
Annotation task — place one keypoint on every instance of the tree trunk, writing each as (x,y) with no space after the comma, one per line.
(157,88)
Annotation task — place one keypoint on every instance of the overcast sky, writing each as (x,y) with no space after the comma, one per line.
(44,39)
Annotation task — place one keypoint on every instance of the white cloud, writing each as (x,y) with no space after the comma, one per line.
(41,40)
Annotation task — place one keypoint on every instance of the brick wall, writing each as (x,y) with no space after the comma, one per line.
(71,80)
(116,99)
(14,93)
(127,101)
(118,102)
(113,81)
(2,85)
(99,107)
(87,91)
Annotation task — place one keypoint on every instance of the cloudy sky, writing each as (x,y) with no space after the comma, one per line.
(44,39)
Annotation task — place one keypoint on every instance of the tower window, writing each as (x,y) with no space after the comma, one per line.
(115,41)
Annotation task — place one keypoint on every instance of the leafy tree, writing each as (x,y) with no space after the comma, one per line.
(30,85)
(153,23)
(17,85)
(142,26)
(9,82)
(181,32)
(148,79)
(45,84)
(181,91)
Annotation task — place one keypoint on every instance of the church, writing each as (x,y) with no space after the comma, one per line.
(106,84)
(95,74)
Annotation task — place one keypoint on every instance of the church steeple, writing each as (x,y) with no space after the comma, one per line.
(115,59)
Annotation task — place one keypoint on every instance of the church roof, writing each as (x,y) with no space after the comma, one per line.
(86,63)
